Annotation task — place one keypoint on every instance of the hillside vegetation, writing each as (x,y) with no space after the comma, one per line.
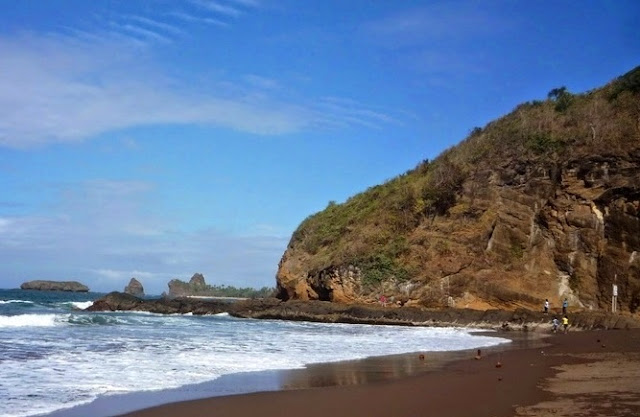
(484,213)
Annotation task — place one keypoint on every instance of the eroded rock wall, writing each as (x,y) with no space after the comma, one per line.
(519,233)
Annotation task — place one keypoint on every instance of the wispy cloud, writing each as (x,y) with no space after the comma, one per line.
(156,24)
(140,31)
(435,22)
(246,3)
(56,89)
(187,17)
(165,24)
(440,38)
(217,7)
(261,82)
(342,112)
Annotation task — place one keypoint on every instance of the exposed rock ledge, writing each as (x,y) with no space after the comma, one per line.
(320,311)
(73,286)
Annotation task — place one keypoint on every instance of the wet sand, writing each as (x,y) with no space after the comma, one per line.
(580,373)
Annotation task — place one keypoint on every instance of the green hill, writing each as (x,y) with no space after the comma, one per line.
(541,203)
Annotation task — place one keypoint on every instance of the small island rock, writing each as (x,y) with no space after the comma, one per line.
(134,288)
(40,285)
(195,286)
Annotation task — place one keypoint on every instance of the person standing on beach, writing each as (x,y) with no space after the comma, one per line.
(565,305)
(383,301)
(554,324)
(565,323)
(546,305)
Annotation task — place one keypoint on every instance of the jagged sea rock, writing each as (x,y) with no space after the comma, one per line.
(134,288)
(42,285)
(197,280)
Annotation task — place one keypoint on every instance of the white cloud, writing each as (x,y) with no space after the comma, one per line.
(4,225)
(440,38)
(188,17)
(217,7)
(53,90)
(341,112)
(261,82)
(432,23)
(66,89)
(146,33)
(157,24)
(247,3)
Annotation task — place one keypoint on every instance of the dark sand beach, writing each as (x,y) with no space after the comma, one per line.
(581,373)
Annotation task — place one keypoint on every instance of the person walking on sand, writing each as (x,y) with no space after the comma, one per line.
(554,324)
(565,305)
(565,323)
(546,305)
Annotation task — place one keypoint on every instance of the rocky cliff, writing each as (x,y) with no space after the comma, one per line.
(72,286)
(542,203)
(134,288)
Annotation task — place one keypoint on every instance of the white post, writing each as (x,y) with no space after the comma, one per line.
(614,294)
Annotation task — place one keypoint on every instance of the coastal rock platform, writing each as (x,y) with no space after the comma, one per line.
(321,311)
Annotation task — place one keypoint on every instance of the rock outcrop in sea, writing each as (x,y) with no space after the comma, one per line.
(40,285)
(195,286)
(117,301)
(134,288)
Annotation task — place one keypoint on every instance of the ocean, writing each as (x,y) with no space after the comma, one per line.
(54,356)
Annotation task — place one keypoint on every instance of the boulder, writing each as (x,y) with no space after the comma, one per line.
(40,285)
(134,288)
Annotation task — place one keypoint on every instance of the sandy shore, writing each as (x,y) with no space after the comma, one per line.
(580,373)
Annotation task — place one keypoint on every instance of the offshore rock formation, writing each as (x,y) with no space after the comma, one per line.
(320,311)
(542,203)
(71,286)
(195,286)
(134,288)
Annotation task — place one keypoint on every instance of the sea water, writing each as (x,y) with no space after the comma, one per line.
(54,356)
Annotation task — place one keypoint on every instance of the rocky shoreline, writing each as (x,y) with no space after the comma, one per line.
(322,311)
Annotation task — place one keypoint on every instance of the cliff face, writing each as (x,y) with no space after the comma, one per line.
(542,203)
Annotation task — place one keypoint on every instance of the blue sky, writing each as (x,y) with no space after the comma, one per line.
(156,139)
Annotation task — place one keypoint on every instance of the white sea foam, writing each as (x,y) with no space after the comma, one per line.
(29,320)
(93,354)
(15,301)
(81,305)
